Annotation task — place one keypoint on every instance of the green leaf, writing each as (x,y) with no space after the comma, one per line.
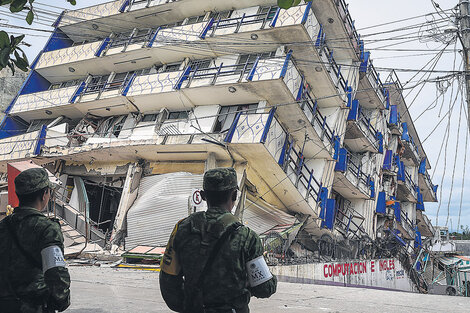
(72,2)
(4,40)
(3,2)
(12,67)
(296,2)
(17,5)
(16,40)
(21,63)
(4,56)
(30,17)
(285,4)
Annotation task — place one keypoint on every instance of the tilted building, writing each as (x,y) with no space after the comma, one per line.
(130,101)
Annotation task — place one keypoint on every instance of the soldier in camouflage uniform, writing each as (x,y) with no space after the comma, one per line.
(33,277)
(204,268)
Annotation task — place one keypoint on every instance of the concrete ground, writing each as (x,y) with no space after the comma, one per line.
(104,290)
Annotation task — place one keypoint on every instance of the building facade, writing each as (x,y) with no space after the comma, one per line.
(130,101)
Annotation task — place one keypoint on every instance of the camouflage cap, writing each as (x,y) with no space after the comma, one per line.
(220,179)
(32,180)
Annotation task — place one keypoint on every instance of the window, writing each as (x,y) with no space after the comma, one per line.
(97,83)
(195,19)
(178,115)
(227,115)
(200,64)
(221,15)
(150,117)
(251,58)
(121,39)
(141,35)
(270,11)
(172,67)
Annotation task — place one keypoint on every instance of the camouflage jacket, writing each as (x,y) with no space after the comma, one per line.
(21,277)
(225,286)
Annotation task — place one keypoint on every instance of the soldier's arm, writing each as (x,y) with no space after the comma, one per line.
(171,287)
(171,279)
(254,250)
(56,275)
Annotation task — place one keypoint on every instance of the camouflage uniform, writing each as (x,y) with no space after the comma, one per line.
(225,287)
(24,286)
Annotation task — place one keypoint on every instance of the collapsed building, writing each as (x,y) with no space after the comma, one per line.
(130,101)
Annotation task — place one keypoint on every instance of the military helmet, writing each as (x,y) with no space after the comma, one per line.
(32,180)
(220,179)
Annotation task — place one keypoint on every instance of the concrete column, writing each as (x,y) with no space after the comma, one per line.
(211,161)
(129,194)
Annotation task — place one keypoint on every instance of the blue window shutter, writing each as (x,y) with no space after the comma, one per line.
(381,207)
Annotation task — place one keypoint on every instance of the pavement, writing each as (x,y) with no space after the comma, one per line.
(103,290)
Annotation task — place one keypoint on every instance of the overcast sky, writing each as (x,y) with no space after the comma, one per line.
(366,14)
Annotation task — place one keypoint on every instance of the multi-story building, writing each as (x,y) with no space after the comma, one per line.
(130,101)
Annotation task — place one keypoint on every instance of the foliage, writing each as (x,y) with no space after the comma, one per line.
(9,45)
(463,235)
(285,4)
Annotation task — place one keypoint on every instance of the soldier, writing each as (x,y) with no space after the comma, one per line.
(212,263)
(33,277)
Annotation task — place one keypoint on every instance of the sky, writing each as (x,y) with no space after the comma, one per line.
(445,153)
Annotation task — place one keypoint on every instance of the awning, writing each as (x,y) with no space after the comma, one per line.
(449,260)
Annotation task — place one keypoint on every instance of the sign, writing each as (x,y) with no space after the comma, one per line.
(195,201)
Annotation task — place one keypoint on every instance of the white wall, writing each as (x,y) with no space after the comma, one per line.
(385,273)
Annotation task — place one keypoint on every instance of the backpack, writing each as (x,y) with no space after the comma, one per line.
(210,244)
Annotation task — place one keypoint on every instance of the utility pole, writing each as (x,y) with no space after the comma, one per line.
(464,36)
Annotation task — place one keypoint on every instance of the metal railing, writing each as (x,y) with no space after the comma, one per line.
(237,22)
(366,121)
(106,86)
(324,49)
(346,219)
(409,181)
(356,170)
(348,21)
(317,117)
(222,70)
(303,175)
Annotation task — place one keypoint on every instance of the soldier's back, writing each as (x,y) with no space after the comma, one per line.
(224,284)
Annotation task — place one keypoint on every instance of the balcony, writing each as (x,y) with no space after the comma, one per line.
(111,17)
(371,90)
(275,79)
(350,181)
(338,23)
(411,154)
(361,135)
(424,224)
(394,120)
(208,39)
(261,139)
(428,190)
(406,225)
(21,146)
(407,190)
(349,222)
(34,105)
(305,112)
